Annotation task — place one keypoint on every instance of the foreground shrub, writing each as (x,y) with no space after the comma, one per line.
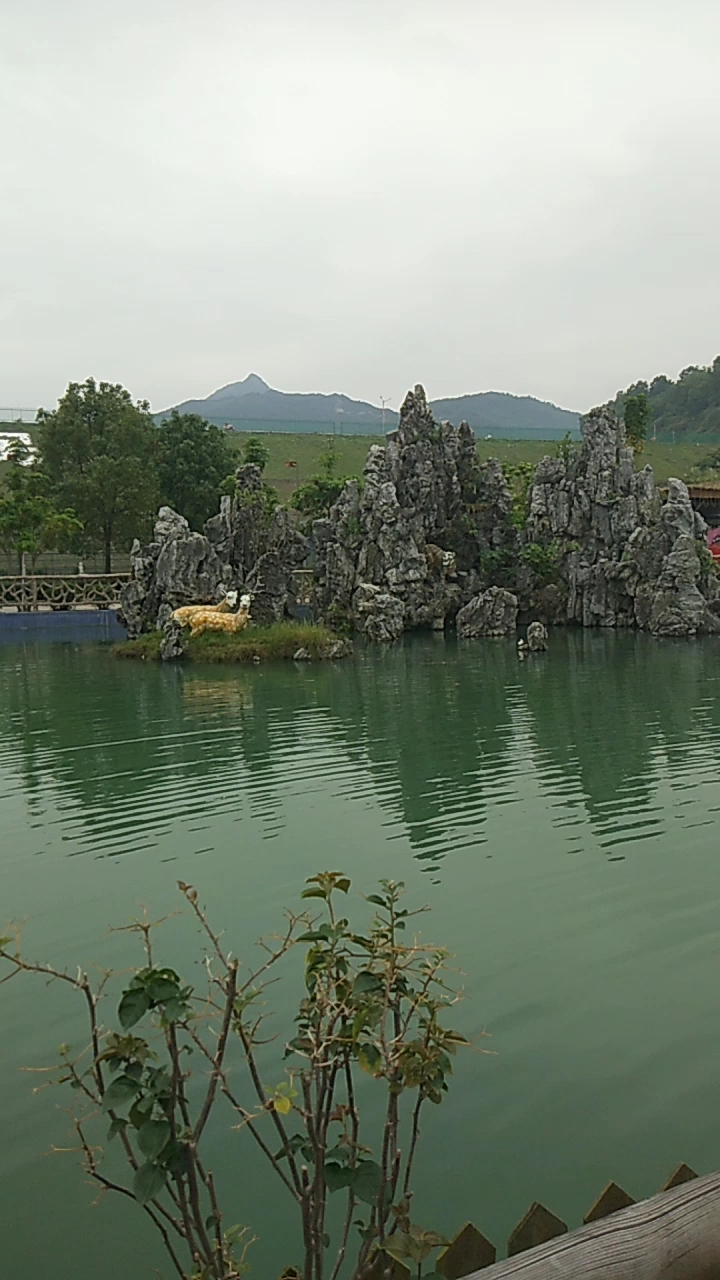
(373,1003)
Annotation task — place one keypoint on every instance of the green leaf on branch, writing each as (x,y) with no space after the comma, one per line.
(174,1009)
(153,1137)
(366,983)
(415,1244)
(366,1180)
(148,1182)
(174,1157)
(337,1176)
(398,1246)
(120,1093)
(133,1006)
(370,1059)
(141,1111)
(116,1126)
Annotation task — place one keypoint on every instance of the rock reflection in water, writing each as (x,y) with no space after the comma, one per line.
(433,731)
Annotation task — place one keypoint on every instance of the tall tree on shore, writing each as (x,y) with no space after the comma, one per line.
(194,458)
(99,449)
(30,523)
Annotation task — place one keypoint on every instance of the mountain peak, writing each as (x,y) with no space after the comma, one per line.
(252,385)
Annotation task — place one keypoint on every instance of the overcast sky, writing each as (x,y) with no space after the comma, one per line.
(357,195)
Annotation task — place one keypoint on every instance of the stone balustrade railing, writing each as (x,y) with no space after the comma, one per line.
(63,591)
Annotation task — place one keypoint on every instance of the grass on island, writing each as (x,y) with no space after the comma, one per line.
(279,641)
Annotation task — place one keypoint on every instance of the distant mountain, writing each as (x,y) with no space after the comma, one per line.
(498,413)
(253,405)
(252,401)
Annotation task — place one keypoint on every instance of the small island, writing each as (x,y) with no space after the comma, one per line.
(297,641)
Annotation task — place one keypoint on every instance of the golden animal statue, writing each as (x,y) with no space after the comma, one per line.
(184,614)
(230,623)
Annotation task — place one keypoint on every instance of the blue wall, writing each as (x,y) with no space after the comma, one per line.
(79,624)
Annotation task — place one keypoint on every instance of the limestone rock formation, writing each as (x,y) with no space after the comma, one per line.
(491,613)
(174,641)
(537,637)
(178,567)
(429,538)
(629,559)
(380,616)
(405,552)
(250,545)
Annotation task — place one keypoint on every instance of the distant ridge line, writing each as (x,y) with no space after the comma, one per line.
(252,404)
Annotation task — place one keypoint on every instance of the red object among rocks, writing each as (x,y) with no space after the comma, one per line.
(713,541)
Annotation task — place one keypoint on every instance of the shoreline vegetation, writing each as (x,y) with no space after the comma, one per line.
(302,641)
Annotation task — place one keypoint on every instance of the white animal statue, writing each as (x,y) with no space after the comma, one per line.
(186,612)
(230,623)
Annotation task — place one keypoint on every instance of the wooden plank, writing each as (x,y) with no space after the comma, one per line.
(537,1226)
(469,1251)
(609,1201)
(682,1174)
(673,1236)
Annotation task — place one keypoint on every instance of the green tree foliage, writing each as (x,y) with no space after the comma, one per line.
(637,420)
(99,450)
(321,491)
(256,452)
(317,495)
(689,406)
(519,476)
(329,460)
(194,459)
(566,449)
(30,523)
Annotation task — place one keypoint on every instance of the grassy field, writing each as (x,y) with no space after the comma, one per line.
(305,450)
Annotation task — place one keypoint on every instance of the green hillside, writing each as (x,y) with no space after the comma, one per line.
(689,406)
(665,459)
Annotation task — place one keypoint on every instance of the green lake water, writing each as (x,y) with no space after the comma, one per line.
(559,815)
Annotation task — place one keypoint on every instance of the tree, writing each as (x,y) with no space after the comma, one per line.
(373,1009)
(317,495)
(637,420)
(99,450)
(30,523)
(321,491)
(194,458)
(329,460)
(256,452)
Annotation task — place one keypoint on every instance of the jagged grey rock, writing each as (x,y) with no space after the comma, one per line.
(174,642)
(178,567)
(491,613)
(380,616)
(629,560)
(537,637)
(416,532)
